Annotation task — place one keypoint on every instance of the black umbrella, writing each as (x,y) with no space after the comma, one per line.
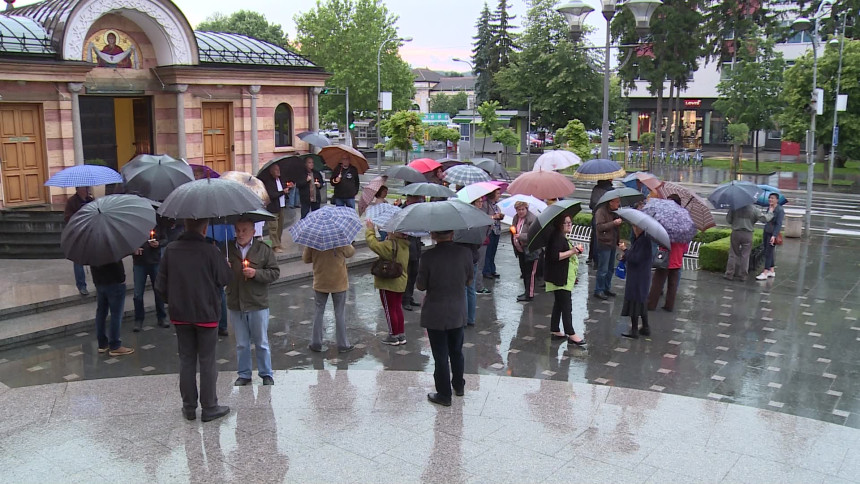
(209,198)
(107,229)
(629,196)
(734,195)
(539,232)
(405,173)
(155,176)
(492,167)
(425,189)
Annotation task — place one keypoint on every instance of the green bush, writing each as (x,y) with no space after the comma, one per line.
(714,255)
(712,234)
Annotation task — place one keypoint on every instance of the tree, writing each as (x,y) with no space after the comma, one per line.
(739,134)
(246,22)
(344,36)
(575,138)
(796,92)
(489,120)
(402,128)
(551,72)
(493,48)
(507,137)
(443,133)
(481,54)
(451,104)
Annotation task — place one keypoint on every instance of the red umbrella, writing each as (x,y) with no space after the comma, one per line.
(424,165)
(696,205)
(542,184)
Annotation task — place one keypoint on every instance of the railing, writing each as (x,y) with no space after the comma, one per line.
(582,233)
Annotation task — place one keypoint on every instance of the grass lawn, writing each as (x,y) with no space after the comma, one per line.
(851,167)
(837,183)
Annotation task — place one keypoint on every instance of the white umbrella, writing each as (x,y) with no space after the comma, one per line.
(556,160)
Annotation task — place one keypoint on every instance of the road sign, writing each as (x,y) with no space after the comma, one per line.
(836,136)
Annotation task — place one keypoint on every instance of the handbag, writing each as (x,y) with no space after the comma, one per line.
(621,270)
(661,259)
(385,268)
(778,240)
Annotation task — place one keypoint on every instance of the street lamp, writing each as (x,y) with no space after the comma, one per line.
(379,94)
(472,119)
(835,138)
(575,13)
(802,24)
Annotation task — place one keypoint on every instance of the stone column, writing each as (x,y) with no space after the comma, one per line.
(255,150)
(181,139)
(77,138)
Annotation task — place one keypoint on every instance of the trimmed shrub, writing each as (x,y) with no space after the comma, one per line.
(712,234)
(713,256)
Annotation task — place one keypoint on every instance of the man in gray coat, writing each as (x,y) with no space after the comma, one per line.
(742,221)
(443,272)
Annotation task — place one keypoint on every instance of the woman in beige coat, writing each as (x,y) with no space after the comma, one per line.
(330,277)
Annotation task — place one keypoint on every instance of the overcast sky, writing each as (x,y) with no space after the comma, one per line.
(441,29)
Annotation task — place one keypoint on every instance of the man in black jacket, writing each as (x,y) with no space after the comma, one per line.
(310,187)
(415,246)
(597,192)
(109,280)
(81,197)
(443,272)
(190,278)
(277,190)
(346,183)
(145,264)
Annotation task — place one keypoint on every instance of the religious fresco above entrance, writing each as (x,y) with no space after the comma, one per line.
(112,48)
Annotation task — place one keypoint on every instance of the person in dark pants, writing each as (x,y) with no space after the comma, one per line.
(145,264)
(443,272)
(278,190)
(190,279)
(109,280)
(344,177)
(492,209)
(415,245)
(672,273)
(598,191)
(220,235)
(771,231)
(561,270)
(638,258)
(606,223)
(528,260)
(81,197)
(310,188)
(743,221)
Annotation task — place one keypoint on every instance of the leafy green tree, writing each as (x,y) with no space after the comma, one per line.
(344,36)
(750,94)
(443,133)
(246,22)
(833,22)
(574,137)
(482,53)
(449,103)
(739,134)
(507,137)
(551,72)
(489,120)
(402,128)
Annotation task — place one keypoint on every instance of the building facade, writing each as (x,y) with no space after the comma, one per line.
(429,83)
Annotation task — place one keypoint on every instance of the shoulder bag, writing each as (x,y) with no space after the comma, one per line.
(387,269)
(661,259)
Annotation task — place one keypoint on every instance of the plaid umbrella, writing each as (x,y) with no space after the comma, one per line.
(327,228)
(334,153)
(598,169)
(424,165)
(556,160)
(542,184)
(465,175)
(673,218)
(369,192)
(84,176)
(381,213)
(699,210)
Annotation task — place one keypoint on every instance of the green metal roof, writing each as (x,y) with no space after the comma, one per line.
(227,48)
(21,35)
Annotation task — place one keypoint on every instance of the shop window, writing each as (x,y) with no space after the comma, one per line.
(774,134)
(283,125)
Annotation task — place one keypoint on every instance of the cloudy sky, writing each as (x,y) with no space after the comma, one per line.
(441,29)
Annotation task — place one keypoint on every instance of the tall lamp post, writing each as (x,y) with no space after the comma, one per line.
(379,94)
(835,140)
(575,13)
(799,25)
(472,120)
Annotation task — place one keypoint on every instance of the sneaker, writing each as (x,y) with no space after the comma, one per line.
(84,292)
(345,349)
(772,273)
(268,380)
(391,340)
(762,276)
(406,307)
(240,382)
(415,303)
(401,338)
(609,293)
(163,324)
(122,350)
(484,291)
(104,350)
(315,348)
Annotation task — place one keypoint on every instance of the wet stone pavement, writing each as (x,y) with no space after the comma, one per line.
(787,345)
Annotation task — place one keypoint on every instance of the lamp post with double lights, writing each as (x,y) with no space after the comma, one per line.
(575,13)
(835,139)
(802,24)
(379,94)
(472,120)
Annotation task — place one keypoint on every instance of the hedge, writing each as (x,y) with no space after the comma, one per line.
(713,256)
(712,234)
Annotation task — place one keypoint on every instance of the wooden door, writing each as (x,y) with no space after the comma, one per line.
(22,154)
(218,136)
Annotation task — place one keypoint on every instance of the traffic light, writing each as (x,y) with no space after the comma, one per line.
(352,125)
(325,90)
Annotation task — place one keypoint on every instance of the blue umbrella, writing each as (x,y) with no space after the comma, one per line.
(381,213)
(327,228)
(766,191)
(599,169)
(734,195)
(84,176)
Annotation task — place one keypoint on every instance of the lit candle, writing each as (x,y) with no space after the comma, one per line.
(245,265)
(151,235)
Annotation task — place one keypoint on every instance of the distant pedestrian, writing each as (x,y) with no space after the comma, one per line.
(254,267)
(672,272)
(346,184)
(772,230)
(145,261)
(190,278)
(310,188)
(480,203)
(562,267)
(597,192)
(742,222)
(471,239)
(277,189)
(415,246)
(638,259)
(394,248)
(330,278)
(520,225)
(81,197)
(443,272)
(492,209)
(606,224)
(109,280)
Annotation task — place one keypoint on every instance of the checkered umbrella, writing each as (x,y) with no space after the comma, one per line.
(327,228)
(699,210)
(381,213)
(465,175)
(84,176)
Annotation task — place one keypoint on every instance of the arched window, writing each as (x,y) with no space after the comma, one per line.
(283,125)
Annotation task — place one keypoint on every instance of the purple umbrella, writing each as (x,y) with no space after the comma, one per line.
(674,218)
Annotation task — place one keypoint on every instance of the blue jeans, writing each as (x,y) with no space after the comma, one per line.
(605,268)
(141,272)
(472,297)
(490,259)
(222,323)
(344,202)
(109,297)
(252,327)
(80,276)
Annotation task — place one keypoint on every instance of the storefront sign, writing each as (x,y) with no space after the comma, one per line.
(692,103)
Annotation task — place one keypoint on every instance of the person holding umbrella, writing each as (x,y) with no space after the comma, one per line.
(598,191)
(771,231)
(606,223)
(637,283)
(145,260)
(346,183)
(415,245)
(560,272)
(520,225)
(672,271)
(330,278)
(81,197)
(491,207)
(310,188)
(277,190)
(394,248)
(742,221)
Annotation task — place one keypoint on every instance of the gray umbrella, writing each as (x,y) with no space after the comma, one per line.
(628,196)
(209,198)
(647,223)
(155,176)
(405,173)
(734,195)
(107,229)
(426,189)
(492,167)
(438,217)
(475,235)
(312,138)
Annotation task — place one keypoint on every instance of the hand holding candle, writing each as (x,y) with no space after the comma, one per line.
(247,270)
